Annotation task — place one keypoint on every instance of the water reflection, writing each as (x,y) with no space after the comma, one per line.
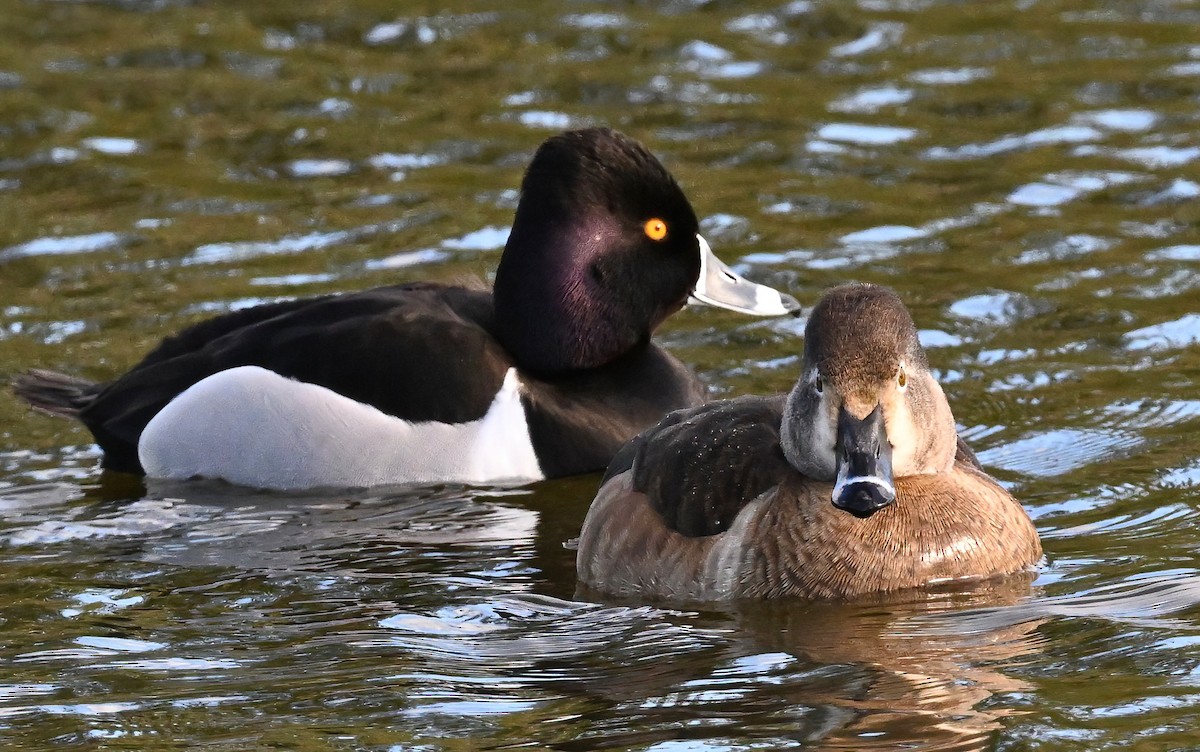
(921,679)
(829,676)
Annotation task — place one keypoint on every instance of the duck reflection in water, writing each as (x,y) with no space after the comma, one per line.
(926,669)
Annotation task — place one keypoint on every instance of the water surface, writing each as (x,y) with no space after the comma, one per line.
(1024,173)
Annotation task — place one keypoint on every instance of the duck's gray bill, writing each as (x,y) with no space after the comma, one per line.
(719,286)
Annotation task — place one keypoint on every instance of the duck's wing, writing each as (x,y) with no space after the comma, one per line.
(420,352)
(699,467)
(966,455)
(665,521)
(67,396)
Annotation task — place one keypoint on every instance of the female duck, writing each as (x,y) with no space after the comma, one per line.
(732,499)
(546,375)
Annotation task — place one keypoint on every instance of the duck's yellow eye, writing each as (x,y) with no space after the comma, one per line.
(655,229)
(902,379)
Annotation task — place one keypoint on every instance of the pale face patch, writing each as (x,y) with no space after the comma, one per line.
(902,433)
(922,435)
(809,430)
(253,427)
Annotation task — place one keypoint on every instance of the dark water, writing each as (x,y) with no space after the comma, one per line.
(1026,174)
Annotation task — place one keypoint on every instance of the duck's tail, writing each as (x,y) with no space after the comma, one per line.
(53,392)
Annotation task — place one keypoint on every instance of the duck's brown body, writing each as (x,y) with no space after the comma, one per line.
(792,542)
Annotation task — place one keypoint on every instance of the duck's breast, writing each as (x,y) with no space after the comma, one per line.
(954,526)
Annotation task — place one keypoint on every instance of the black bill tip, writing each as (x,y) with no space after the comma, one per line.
(863,498)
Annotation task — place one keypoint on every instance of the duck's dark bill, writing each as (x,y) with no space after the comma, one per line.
(719,286)
(864,465)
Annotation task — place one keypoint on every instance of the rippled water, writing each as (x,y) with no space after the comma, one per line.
(1026,174)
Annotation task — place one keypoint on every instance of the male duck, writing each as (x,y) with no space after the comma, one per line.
(547,375)
(732,499)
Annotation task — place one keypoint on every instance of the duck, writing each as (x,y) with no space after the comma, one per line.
(853,485)
(545,375)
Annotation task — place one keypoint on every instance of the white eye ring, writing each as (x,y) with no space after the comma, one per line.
(818,384)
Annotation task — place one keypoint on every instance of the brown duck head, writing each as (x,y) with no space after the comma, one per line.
(866,409)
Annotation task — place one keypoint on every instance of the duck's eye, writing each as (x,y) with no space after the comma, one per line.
(902,379)
(819,385)
(655,229)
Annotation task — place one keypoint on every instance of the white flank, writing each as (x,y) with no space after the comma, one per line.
(253,427)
